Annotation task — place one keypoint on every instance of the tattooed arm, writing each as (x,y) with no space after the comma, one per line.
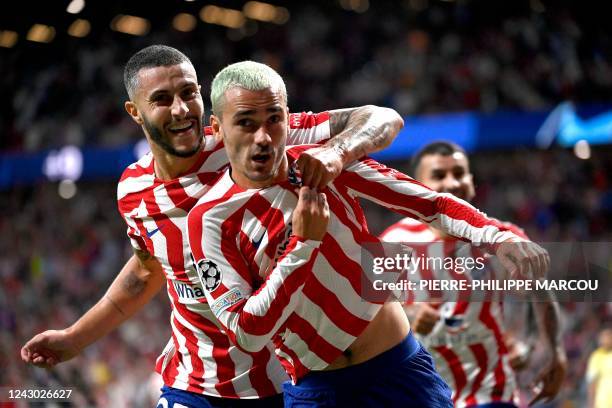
(139,280)
(355,132)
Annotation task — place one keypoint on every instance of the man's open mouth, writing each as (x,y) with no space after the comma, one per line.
(181,127)
(260,158)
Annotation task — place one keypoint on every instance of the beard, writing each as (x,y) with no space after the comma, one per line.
(158,138)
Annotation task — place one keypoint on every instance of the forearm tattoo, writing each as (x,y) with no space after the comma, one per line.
(132,282)
(360,131)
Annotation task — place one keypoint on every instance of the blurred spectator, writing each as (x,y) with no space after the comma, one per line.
(599,372)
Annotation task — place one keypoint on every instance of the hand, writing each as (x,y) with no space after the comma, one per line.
(425,319)
(49,348)
(311,214)
(551,378)
(523,257)
(319,166)
(518,353)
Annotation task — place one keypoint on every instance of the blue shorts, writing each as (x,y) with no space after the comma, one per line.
(403,376)
(175,398)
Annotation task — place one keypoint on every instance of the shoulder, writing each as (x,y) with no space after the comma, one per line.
(407,230)
(219,198)
(136,178)
(307,120)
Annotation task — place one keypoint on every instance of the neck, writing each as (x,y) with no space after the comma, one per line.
(168,167)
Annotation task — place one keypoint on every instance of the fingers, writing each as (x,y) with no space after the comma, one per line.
(25,354)
(305,170)
(524,259)
(505,258)
(319,166)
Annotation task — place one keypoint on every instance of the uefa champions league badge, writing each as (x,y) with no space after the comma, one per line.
(209,274)
(294,176)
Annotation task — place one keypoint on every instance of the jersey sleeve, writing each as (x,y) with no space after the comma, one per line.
(394,190)
(251,317)
(308,128)
(133,232)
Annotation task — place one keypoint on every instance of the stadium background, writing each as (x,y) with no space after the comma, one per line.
(496,69)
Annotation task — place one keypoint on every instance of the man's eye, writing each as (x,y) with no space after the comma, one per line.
(275,119)
(190,94)
(161,99)
(245,122)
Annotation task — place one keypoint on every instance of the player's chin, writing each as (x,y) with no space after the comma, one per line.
(187,147)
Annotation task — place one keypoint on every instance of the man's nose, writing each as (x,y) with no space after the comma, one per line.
(262,137)
(451,183)
(179,107)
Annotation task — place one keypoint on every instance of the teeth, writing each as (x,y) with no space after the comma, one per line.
(181,127)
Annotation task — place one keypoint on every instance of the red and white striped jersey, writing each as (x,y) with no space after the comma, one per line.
(199,357)
(310,301)
(467,343)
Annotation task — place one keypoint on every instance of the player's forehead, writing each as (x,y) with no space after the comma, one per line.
(166,78)
(244,102)
(438,162)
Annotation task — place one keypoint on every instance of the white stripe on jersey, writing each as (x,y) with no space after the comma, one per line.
(154,211)
(475,334)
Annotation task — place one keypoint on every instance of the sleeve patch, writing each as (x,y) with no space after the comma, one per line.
(227,300)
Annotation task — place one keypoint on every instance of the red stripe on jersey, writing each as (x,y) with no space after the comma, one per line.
(341,263)
(174,239)
(364,186)
(220,351)
(355,206)
(191,343)
(260,325)
(480,354)
(136,170)
(454,364)
(294,368)
(317,344)
(179,196)
(333,308)
(500,376)
(259,375)
(273,220)
(171,372)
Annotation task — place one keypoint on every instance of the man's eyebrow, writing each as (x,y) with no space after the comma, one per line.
(246,112)
(163,91)
(158,92)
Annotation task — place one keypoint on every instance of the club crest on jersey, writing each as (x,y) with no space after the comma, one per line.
(209,273)
(294,175)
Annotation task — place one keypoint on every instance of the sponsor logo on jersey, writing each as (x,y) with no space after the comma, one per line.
(296,121)
(187,291)
(257,242)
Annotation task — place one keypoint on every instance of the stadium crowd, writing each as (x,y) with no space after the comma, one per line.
(426,57)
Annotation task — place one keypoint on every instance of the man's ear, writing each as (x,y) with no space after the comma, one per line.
(132,110)
(215,124)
